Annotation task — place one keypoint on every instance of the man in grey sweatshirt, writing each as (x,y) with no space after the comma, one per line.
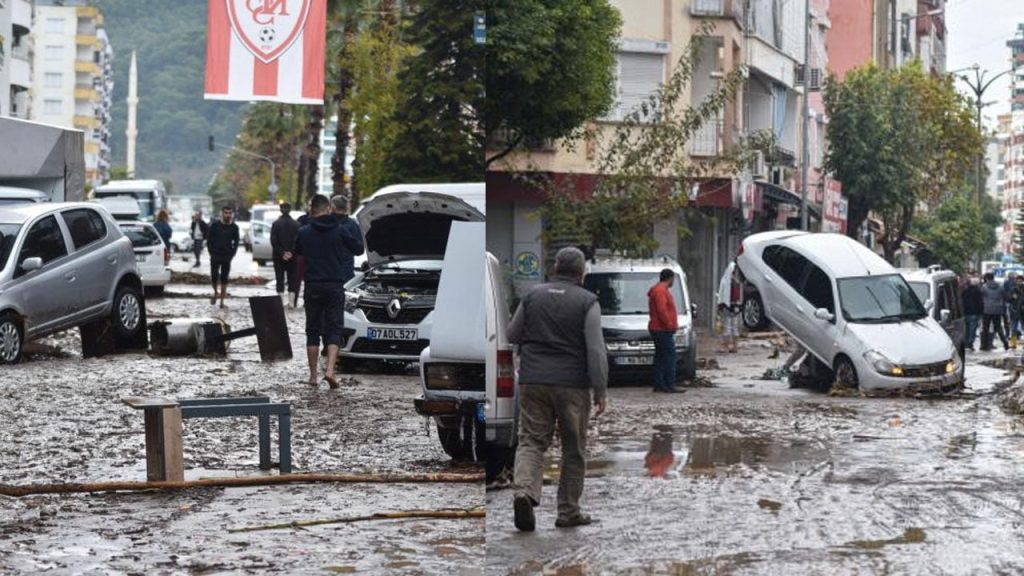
(993,299)
(562,360)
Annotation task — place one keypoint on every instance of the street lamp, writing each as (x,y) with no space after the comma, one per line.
(273,188)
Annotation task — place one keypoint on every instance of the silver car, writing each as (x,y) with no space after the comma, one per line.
(66,265)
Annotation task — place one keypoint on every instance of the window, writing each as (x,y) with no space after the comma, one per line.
(787,263)
(54,52)
(625,293)
(54,25)
(44,240)
(53,79)
(948,300)
(141,235)
(52,106)
(639,76)
(86,226)
(818,289)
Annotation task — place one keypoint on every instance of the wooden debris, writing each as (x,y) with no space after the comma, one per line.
(454,514)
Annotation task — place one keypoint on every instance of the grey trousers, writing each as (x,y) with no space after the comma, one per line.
(540,409)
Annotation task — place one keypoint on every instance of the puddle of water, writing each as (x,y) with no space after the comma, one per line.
(668,454)
(909,536)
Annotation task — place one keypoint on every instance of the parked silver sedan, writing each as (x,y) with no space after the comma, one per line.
(66,265)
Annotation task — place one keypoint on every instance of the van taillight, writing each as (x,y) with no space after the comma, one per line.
(506,374)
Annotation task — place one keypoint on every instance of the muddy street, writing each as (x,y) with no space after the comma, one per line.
(748,476)
(63,421)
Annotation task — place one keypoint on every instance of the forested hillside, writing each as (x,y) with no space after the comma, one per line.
(173,119)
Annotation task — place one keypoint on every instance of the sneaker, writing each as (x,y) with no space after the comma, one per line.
(578,520)
(525,521)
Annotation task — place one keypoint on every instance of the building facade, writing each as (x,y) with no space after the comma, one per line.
(74,78)
(16,51)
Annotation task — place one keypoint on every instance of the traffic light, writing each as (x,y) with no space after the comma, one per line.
(210,143)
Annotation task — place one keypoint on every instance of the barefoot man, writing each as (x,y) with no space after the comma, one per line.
(328,244)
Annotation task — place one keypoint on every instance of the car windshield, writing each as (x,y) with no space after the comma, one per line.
(921,290)
(141,236)
(625,293)
(879,299)
(8,233)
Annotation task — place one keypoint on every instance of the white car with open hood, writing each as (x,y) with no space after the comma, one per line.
(851,310)
(388,308)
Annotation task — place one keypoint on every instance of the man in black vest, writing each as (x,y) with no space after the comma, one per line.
(562,359)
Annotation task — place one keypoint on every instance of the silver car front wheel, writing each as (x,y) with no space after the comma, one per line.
(128,311)
(10,340)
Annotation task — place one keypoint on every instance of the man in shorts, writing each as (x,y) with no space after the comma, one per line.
(222,243)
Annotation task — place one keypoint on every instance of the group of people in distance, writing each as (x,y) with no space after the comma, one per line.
(318,249)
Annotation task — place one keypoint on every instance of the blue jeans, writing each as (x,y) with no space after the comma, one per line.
(664,360)
(972,329)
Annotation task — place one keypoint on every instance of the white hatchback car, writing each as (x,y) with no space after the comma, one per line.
(151,256)
(850,309)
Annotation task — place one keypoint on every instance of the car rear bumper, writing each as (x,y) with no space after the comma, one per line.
(153,278)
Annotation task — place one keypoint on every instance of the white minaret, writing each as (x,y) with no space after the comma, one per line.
(133,103)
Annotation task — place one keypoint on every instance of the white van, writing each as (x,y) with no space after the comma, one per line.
(452,367)
(501,412)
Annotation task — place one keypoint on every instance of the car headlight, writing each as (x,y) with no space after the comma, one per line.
(682,337)
(351,302)
(954,363)
(881,364)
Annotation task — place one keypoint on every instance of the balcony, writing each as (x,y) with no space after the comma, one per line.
(86,94)
(707,141)
(717,8)
(21,72)
(90,40)
(87,66)
(86,122)
(21,17)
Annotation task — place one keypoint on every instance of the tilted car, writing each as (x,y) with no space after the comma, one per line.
(389,307)
(151,255)
(621,286)
(850,309)
(453,367)
(64,265)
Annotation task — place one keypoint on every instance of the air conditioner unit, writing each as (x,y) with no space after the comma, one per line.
(815,79)
(759,168)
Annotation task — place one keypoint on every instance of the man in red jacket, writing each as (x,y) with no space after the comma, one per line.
(664,322)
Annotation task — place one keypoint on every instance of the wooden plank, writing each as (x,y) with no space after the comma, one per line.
(154,445)
(174,465)
(144,402)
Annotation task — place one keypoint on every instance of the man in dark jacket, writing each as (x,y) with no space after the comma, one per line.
(283,234)
(993,300)
(222,243)
(328,244)
(199,230)
(974,308)
(562,361)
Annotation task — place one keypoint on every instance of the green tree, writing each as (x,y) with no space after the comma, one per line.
(956,230)
(897,138)
(440,137)
(645,170)
(550,67)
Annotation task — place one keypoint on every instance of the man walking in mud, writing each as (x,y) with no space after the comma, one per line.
(562,363)
(222,242)
(328,244)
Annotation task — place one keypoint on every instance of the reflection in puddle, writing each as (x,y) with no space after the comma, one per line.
(668,454)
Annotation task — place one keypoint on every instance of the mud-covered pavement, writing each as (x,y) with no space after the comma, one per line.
(62,420)
(759,478)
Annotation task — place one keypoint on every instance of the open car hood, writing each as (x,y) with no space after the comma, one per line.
(411,225)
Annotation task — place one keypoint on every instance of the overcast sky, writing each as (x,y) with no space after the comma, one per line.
(977,33)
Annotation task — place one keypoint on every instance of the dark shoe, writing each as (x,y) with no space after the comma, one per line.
(578,520)
(672,390)
(525,521)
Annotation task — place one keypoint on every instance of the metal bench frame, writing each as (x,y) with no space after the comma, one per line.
(164,459)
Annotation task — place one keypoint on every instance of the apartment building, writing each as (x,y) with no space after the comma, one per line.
(16,25)
(74,77)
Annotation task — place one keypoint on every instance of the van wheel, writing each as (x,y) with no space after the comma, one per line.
(499,459)
(754,317)
(455,446)
(845,373)
(11,339)
(128,314)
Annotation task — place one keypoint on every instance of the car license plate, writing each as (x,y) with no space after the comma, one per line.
(391,333)
(634,360)
(140,257)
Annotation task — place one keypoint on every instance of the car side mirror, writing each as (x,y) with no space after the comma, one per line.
(944,316)
(30,264)
(824,314)
(929,304)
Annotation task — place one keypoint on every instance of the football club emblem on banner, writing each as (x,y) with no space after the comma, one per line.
(266,50)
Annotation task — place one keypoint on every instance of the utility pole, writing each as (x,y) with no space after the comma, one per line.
(273,188)
(806,154)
